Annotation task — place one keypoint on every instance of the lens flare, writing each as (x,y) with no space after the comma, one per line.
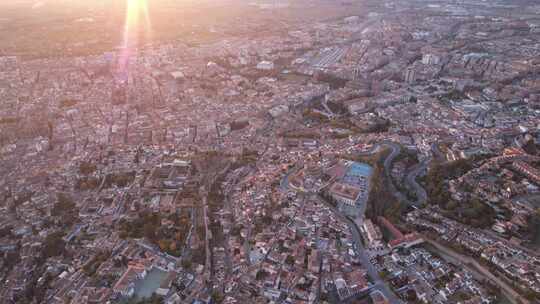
(137,20)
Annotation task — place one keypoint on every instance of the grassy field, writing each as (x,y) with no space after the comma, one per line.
(32,28)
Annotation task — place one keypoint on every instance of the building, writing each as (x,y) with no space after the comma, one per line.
(410,75)
(400,240)
(378,298)
(357,105)
(409,240)
(177,75)
(92,295)
(372,232)
(353,188)
(429,59)
(265,65)
(278,110)
(529,171)
(126,284)
(344,194)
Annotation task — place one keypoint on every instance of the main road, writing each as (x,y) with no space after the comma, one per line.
(395,150)
(410,180)
(378,282)
(415,171)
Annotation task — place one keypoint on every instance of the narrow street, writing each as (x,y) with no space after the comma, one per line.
(372,272)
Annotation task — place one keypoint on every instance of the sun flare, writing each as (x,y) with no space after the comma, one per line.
(137,18)
(137,21)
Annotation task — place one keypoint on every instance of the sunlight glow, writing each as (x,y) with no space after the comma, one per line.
(137,19)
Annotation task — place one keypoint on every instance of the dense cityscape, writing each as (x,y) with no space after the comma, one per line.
(351,151)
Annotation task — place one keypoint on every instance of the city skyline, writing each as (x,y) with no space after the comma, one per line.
(280,151)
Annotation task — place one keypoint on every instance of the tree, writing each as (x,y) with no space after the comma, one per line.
(87,168)
(149,231)
(63,205)
(123,234)
(5,231)
(187,264)
(289,260)
(217,297)
(154,299)
(530,295)
(451,205)
(261,275)
(54,245)
(172,247)
(163,244)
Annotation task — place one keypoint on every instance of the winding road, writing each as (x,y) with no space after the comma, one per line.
(414,172)
(412,184)
(378,282)
(411,177)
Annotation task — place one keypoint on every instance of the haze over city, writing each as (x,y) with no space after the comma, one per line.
(269,151)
